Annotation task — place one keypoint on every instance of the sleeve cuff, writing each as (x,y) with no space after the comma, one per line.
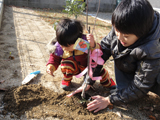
(110,99)
(97,46)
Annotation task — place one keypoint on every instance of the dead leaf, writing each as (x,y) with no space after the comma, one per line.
(11,57)
(110,106)
(152,117)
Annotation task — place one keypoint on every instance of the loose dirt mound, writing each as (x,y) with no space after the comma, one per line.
(37,102)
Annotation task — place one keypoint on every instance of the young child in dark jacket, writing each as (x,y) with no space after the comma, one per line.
(72,61)
(134,43)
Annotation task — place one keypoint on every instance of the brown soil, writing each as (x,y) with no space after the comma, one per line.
(38,102)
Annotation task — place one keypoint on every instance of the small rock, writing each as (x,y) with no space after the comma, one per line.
(154,106)
(12,116)
(119,114)
(151,109)
(156,115)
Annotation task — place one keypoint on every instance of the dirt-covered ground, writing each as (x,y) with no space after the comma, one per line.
(40,102)
(23,39)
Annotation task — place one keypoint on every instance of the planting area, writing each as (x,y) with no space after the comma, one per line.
(24,35)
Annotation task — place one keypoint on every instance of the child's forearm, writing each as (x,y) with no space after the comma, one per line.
(54,60)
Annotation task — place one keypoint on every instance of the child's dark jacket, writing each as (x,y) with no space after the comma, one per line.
(142,58)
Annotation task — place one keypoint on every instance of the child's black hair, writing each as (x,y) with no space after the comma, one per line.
(68,31)
(133,17)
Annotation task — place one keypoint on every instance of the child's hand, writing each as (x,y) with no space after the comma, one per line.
(50,70)
(90,39)
(79,90)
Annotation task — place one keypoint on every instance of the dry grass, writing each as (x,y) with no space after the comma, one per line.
(101,28)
